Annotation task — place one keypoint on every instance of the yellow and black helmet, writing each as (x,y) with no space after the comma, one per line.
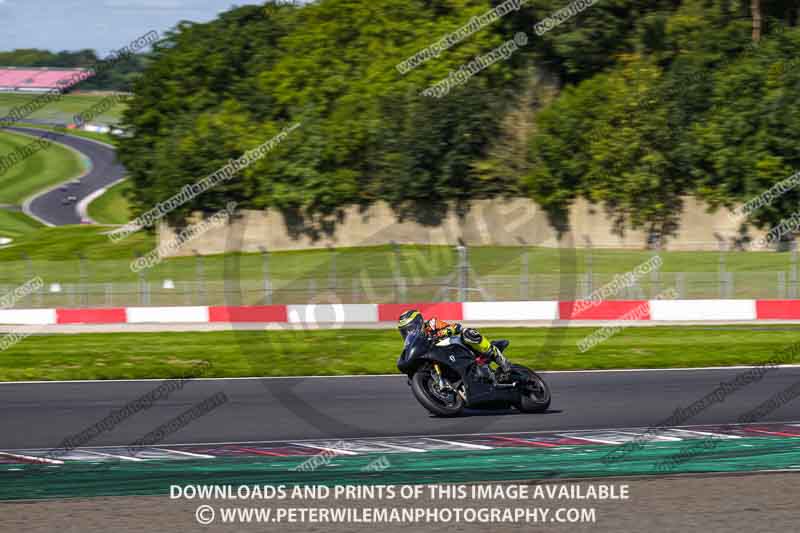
(409,322)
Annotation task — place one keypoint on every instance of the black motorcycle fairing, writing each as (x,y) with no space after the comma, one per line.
(452,352)
(419,348)
(416,344)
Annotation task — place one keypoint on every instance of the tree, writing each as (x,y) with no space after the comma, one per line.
(747,140)
(609,140)
(367,132)
(755,9)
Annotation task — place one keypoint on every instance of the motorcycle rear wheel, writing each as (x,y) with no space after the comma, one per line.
(440,403)
(535,394)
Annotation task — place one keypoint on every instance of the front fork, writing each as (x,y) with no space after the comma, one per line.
(442,383)
(459,389)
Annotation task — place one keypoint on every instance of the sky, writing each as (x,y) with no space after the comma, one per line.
(102,25)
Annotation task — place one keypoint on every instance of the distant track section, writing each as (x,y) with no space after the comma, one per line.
(48,206)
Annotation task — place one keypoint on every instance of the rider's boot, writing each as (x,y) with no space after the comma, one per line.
(498,357)
(504,367)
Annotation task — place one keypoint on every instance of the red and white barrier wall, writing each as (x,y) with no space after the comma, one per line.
(648,310)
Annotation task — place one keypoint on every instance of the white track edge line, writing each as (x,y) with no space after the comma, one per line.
(545,372)
(449,435)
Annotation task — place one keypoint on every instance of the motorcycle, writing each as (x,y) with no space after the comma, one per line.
(445,377)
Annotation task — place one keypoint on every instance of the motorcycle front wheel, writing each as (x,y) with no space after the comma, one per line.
(439,401)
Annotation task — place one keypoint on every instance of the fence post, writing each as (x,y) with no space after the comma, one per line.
(781,284)
(199,278)
(524,283)
(28,267)
(83,275)
(655,274)
(722,276)
(793,272)
(589,265)
(463,272)
(228,297)
(36,296)
(142,284)
(680,284)
(399,286)
(332,278)
(312,289)
(267,283)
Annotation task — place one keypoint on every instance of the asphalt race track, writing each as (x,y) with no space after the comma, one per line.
(105,170)
(41,415)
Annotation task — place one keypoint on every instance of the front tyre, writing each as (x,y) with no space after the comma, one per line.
(439,401)
(534,392)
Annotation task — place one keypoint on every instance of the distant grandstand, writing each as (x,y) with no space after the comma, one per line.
(25,79)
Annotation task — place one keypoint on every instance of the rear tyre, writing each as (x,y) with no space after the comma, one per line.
(534,393)
(425,385)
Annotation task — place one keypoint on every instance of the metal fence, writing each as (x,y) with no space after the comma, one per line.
(369,276)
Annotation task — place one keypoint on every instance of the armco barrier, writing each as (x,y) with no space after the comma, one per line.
(443,310)
(256,313)
(167,314)
(332,313)
(604,310)
(91,316)
(778,309)
(700,310)
(652,310)
(28,316)
(480,311)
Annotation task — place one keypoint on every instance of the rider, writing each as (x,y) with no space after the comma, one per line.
(438,329)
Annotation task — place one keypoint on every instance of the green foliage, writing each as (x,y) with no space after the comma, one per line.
(748,141)
(658,100)
(112,206)
(619,137)
(366,132)
(705,112)
(589,42)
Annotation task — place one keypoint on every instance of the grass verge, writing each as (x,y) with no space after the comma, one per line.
(15,224)
(64,109)
(339,352)
(43,169)
(112,207)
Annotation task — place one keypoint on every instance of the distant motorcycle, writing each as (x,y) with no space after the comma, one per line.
(445,378)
